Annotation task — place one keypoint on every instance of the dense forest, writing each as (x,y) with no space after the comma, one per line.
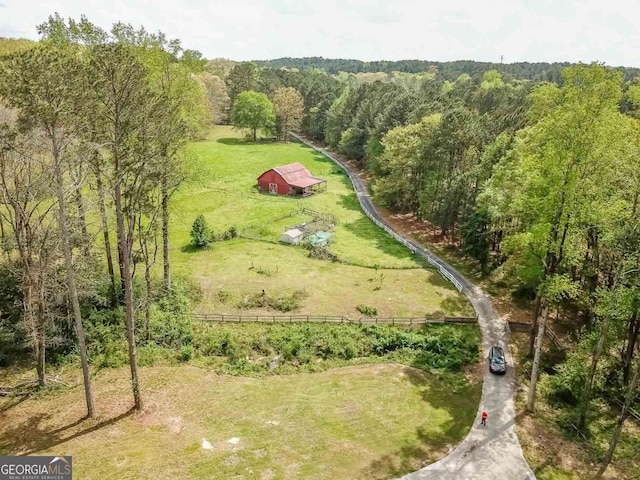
(537,71)
(533,170)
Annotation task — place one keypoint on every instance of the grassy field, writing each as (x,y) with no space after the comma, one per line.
(375,421)
(377,271)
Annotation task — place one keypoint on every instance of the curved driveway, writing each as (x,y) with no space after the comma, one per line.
(488,452)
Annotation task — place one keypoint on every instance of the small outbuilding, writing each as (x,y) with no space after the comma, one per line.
(291,179)
(292,236)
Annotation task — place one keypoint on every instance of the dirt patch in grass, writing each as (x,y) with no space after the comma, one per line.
(352,422)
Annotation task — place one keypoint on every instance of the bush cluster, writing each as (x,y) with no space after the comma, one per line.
(250,346)
(367,311)
(281,302)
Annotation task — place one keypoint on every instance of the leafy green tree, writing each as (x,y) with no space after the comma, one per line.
(475,237)
(201,234)
(193,60)
(43,84)
(288,107)
(562,170)
(124,110)
(243,77)
(254,111)
(220,67)
(217,97)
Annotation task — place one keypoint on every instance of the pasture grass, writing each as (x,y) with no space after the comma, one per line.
(375,421)
(373,270)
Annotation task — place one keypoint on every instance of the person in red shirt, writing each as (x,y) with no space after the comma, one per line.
(484,418)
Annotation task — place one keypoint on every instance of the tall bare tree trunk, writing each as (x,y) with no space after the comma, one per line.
(107,241)
(82,214)
(534,325)
(165,236)
(536,359)
(42,332)
(623,416)
(32,322)
(632,337)
(71,283)
(586,396)
(124,252)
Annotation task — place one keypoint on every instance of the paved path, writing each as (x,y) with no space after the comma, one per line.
(488,452)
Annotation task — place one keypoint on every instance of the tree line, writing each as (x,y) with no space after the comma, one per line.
(536,71)
(92,129)
(537,181)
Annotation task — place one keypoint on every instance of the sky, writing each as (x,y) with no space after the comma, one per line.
(517,30)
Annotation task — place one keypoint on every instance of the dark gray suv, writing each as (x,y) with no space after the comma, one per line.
(497,362)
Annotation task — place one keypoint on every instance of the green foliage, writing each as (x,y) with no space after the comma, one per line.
(12,337)
(106,339)
(254,111)
(475,232)
(447,71)
(281,302)
(288,106)
(170,324)
(246,346)
(201,234)
(367,311)
(14,45)
(228,234)
(243,77)
(186,353)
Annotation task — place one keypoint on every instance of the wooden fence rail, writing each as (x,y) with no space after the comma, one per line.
(526,327)
(232,318)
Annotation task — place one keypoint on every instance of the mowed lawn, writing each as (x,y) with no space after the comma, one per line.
(223,191)
(376,421)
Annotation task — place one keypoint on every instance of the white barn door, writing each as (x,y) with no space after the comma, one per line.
(273,188)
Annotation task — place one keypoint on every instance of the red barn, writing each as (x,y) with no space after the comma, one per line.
(292,179)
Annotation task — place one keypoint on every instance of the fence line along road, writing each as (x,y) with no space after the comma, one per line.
(232,318)
(487,452)
(370,212)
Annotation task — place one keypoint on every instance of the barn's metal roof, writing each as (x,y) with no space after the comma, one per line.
(296,175)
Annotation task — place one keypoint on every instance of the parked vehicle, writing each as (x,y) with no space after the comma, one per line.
(497,362)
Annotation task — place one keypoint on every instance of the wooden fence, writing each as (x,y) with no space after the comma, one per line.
(526,327)
(360,192)
(232,318)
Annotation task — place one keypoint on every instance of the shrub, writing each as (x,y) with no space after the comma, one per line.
(245,346)
(201,234)
(282,302)
(150,354)
(228,234)
(170,324)
(367,311)
(186,353)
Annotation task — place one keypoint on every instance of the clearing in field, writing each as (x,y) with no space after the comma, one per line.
(375,421)
(373,269)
